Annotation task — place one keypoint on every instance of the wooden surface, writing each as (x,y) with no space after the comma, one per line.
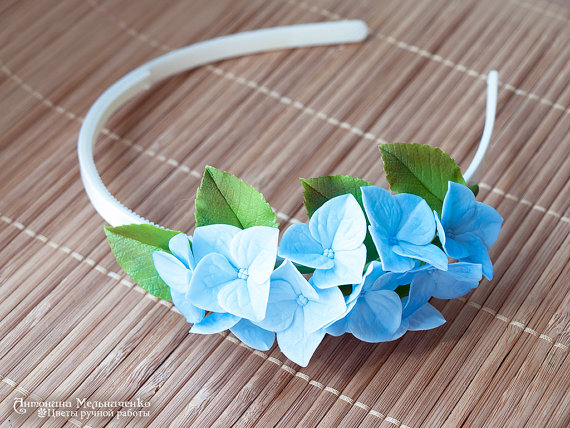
(72,325)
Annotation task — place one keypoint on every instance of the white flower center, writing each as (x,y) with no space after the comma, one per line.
(328,252)
(243,273)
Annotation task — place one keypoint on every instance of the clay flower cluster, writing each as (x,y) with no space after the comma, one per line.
(367,263)
(225,277)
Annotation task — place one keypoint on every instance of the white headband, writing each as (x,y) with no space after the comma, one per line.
(213,50)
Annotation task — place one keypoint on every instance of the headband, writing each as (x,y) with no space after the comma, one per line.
(373,259)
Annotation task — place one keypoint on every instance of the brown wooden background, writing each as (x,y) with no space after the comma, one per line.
(72,325)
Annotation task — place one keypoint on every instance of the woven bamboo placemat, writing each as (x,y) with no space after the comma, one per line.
(73,325)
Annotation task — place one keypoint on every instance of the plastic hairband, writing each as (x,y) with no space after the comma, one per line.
(180,60)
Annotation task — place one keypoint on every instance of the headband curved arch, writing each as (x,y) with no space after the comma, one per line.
(177,61)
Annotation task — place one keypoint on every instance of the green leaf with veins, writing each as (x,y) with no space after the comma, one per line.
(420,169)
(222,198)
(133,245)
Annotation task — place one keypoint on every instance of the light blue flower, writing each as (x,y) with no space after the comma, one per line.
(468,229)
(232,275)
(332,243)
(297,312)
(245,330)
(402,228)
(427,281)
(374,309)
(176,271)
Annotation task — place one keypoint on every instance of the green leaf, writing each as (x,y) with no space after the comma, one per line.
(403,290)
(346,289)
(225,199)
(421,170)
(475,189)
(133,245)
(318,190)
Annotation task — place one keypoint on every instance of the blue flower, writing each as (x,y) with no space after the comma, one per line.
(297,312)
(176,271)
(402,228)
(427,281)
(374,309)
(332,243)
(232,275)
(374,312)
(468,229)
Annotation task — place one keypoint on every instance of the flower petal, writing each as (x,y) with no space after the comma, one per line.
(428,253)
(372,274)
(186,308)
(212,274)
(425,318)
(298,245)
(179,246)
(489,223)
(329,307)
(417,224)
(386,281)
(478,253)
(296,343)
(253,336)
(289,273)
(255,249)
(455,249)
(172,271)
(339,224)
(439,228)
(285,287)
(376,316)
(214,238)
(458,203)
(399,332)
(215,323)
(338,328)
(457,281)
(382,210)
(246,299)
(421,290)
(347,269)
(390,260)
(281,306)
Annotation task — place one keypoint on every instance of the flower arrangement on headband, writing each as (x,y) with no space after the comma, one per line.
(367,263)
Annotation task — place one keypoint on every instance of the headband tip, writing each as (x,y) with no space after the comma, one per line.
(360,29)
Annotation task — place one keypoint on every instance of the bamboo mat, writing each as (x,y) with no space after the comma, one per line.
(73,326)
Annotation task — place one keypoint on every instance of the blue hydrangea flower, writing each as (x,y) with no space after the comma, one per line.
(374,309)
(427,281)
(364,321)
(402,228)
(297,312)
(468,229)
(176,271)
(232,275)
(332,243)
